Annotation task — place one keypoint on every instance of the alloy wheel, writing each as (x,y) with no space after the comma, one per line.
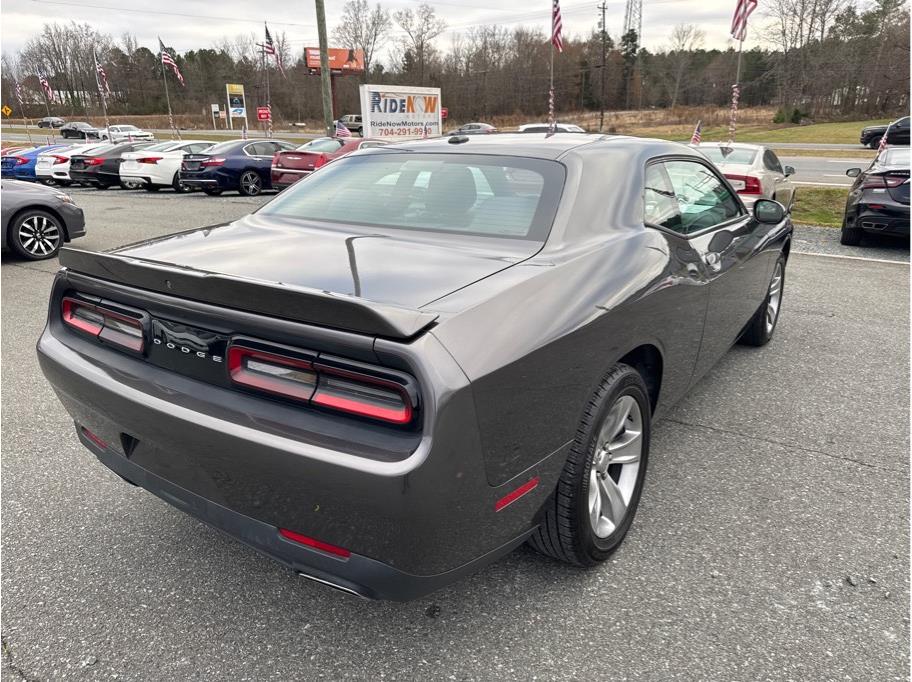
(39,235)
(251,184)
(774,298)
(615,466)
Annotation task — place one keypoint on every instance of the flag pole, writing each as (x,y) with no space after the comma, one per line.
(736,93)
(167,96)
(552,127)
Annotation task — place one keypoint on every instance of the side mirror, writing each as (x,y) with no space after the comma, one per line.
(769,212)
(720,241)
(789,170)
(853,172)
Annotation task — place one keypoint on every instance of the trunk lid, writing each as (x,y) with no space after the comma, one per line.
(399,268)
(298,160)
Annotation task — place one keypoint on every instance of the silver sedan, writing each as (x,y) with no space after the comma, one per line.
(753,170)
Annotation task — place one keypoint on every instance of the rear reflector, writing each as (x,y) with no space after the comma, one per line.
(511,497)
(312,542)
(105,324)
(322,383)
(92,437)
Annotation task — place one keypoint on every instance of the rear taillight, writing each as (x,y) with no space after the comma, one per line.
(320,161)
(117,328)
(60,159)
(149,159)
(883,181)
(214,161)
(384,396)
(751,183)
(94,161)
(21,160)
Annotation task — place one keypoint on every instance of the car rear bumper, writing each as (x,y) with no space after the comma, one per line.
(889,219)
(285,177)
(412,521)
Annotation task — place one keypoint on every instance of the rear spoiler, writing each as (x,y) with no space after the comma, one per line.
(275,299)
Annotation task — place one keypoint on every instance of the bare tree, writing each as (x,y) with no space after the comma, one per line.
(420,28)
(362,29)
(685,40)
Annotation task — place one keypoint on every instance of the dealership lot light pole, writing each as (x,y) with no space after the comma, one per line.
(324,69)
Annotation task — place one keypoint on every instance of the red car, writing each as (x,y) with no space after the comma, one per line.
(290,166)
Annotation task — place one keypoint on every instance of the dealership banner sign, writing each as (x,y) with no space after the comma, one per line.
(400,111)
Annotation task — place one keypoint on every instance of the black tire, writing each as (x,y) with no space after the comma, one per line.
(874,143)
(250,184)
(759,331)
(129,184)
(212,191)
(178,186)
(46,232)
(566,532)
(850,235)
(151,188)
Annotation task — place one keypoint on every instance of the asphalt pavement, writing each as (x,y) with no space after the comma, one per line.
(771,542)
(823,171)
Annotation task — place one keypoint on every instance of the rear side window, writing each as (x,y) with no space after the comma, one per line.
(507,197)
(771,161)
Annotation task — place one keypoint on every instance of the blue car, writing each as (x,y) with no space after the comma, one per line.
(21,166)
(244,166)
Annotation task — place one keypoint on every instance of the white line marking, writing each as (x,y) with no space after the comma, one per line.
(836,255)
(858,161)
(834,175)
(821,184)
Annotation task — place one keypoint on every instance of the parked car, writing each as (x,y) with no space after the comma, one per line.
(126,133)
(753,170)
(51,122)
(878,201)
(472,129)
(545,128)
(13,149)
(159,165)
(241,165)
(353,123)
(79,130)
(290,166)
(101,168)
(37,219)
(899,133)
(21,165)
(54,166)
(424,355)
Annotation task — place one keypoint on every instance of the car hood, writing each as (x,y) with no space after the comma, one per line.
(395,267)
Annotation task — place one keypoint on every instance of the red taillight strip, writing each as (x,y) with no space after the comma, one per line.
(113,334)
(68,310)
(396,416)
(511,497)
(313,542)
(92,437)
(285,387)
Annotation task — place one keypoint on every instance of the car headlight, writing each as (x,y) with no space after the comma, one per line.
(65,198)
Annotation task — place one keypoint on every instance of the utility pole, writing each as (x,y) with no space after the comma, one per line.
(324,70)
(602,9)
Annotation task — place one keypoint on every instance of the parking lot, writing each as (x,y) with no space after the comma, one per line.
(771,541)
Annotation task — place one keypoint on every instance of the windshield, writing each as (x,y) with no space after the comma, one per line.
(896,156)
(127,128)
(489,196)
(730,155)
(322,144)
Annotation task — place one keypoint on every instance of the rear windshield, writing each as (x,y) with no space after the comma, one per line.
(224,148)
(723,155)
(896,156)
(160,146)
(491,196)
(323,144)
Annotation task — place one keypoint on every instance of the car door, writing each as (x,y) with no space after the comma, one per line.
(262,153)
(728,242)
(783,190)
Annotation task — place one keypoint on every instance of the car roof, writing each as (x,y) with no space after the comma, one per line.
(508,144)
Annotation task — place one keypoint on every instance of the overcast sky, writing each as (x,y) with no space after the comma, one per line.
(191,24)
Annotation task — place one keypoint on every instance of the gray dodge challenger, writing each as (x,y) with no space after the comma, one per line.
(422,355)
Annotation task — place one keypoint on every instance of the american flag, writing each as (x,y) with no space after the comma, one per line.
(47,87)
(101,78)
(883,141)
(168,61)
(739,20)
(341,130)
(697,137)
(269,48)
(556,25)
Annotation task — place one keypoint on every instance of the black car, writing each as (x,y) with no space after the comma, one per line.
(80,130)
(102,168)
(899,133)
(37,220)
(422,356)
(879,200)
(50,122)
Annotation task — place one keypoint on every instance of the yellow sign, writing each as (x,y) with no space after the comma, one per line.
(6,110)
